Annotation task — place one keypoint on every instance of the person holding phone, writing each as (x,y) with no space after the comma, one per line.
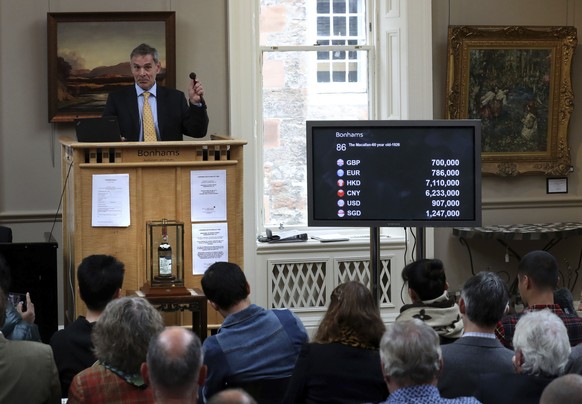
(27,369)
(19,323)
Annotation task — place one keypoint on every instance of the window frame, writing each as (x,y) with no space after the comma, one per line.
(364,38)
(324,91)
(402,86)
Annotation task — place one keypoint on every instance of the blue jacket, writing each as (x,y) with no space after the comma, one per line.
(252,344)
(15,328)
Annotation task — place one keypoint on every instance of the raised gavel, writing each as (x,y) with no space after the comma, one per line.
(193,77)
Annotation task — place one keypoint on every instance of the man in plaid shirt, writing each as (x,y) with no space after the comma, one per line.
(538,276)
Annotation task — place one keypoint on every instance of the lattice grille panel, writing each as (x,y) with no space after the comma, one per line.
(386,282)
(298,285)
(359,270)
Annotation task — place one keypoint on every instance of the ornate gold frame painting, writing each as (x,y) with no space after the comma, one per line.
(517,80)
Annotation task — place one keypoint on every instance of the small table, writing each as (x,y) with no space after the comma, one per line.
(196,303)
(503,234)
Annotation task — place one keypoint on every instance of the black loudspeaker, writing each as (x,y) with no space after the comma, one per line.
(33,267)
(5,234)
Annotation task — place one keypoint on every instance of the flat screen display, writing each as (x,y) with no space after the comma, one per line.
(394,173)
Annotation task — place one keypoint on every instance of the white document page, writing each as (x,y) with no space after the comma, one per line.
(209,245)
(110,200)
(208,195)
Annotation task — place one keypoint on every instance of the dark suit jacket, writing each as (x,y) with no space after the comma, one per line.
(511,389)
(467,359)
(175,117)
(336,373)
(575,361)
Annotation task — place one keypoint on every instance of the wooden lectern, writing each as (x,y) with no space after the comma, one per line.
(159,187)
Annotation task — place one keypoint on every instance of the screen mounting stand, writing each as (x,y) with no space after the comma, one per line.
(376,263)
(419,243)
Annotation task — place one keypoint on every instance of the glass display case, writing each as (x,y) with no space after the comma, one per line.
(165,257)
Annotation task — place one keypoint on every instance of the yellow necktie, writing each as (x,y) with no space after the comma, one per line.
(149,129)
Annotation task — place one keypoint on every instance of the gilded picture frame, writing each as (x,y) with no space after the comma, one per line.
(517,80)
(88,57)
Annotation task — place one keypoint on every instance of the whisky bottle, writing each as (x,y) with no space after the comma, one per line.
(165,255)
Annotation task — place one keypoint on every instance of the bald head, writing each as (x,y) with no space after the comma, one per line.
(562,389)
(174,341)
(232,396)
(174,364)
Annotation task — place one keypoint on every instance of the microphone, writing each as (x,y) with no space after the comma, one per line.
(193,77)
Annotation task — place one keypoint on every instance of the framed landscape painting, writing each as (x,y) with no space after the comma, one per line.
(88,57)
(517,81)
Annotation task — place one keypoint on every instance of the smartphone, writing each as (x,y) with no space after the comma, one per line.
(16,298)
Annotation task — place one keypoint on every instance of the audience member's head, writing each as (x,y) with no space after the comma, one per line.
(563,297)
(484,299)
(5,277)
(352,313)
(411,354)
(100,279)
(225,285)
(541,268)
(174,366)
(123,333)
(541,344)
(562,390)
(426,279)
(232,396)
